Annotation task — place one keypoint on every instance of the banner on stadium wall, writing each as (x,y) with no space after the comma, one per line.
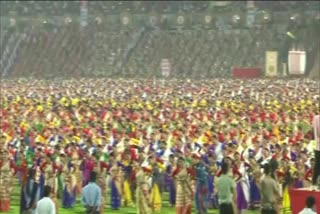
(250,4)
(154,19)
(208,20)
(165,67)
(271,69)
(125,19)
(84,13)
(297,62)
(251,16)
(181,20)
(220,3)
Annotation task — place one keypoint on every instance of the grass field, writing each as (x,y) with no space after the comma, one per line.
(78,209)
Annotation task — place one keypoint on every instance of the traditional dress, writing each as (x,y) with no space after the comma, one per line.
(127,195)
(211,197)
(115,187)
(50,179)
(76,162)
(286,207)
(171,184)
(87,166)
(142,194)
(70,185)
(254,190)
(243,195)
(183,192)
(100,169)
(157,180)
(6,184)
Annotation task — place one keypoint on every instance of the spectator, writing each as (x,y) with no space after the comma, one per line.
(310,206)
(91,195)
(29,193)
(46,205)
(269,192)
(226,189)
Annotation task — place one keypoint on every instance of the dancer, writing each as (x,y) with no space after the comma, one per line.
(100,169)
(49,170)
(142,192)
(170,181)
(156,184)
(115,185)
(70,184)
(6,180)
(184,192)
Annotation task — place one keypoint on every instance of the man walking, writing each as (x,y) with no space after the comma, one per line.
(226,189)
(91,195)
(46,205)
(269,192)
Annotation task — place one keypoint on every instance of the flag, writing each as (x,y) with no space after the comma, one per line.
(271,69)
(84,13)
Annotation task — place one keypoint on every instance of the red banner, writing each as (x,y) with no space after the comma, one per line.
(246,73)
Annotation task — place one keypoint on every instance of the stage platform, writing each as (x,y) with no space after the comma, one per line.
(298,199)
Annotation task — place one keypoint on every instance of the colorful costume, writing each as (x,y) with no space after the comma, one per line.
(6,184)
(142,194)
(183,192)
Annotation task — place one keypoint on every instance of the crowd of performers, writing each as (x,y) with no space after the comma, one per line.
(144,138)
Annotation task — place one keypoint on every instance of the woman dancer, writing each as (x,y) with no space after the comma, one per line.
(254,183)
(49,170)
(70,184)
(115,184)
(170,181)
(6,181)
(287,184)
(156,185)
(74,154)
(142,190)
(242,187)
(127,170)
(100,168)
(184,189)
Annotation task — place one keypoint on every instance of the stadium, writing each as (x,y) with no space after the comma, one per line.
(164,107)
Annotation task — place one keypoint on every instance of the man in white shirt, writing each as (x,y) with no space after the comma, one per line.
(316,170)
(46,205)
(310,206)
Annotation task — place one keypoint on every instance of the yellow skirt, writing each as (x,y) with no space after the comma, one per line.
(127,193)
(156,198)
(286,206)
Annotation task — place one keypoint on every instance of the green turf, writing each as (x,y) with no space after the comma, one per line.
(78,209)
